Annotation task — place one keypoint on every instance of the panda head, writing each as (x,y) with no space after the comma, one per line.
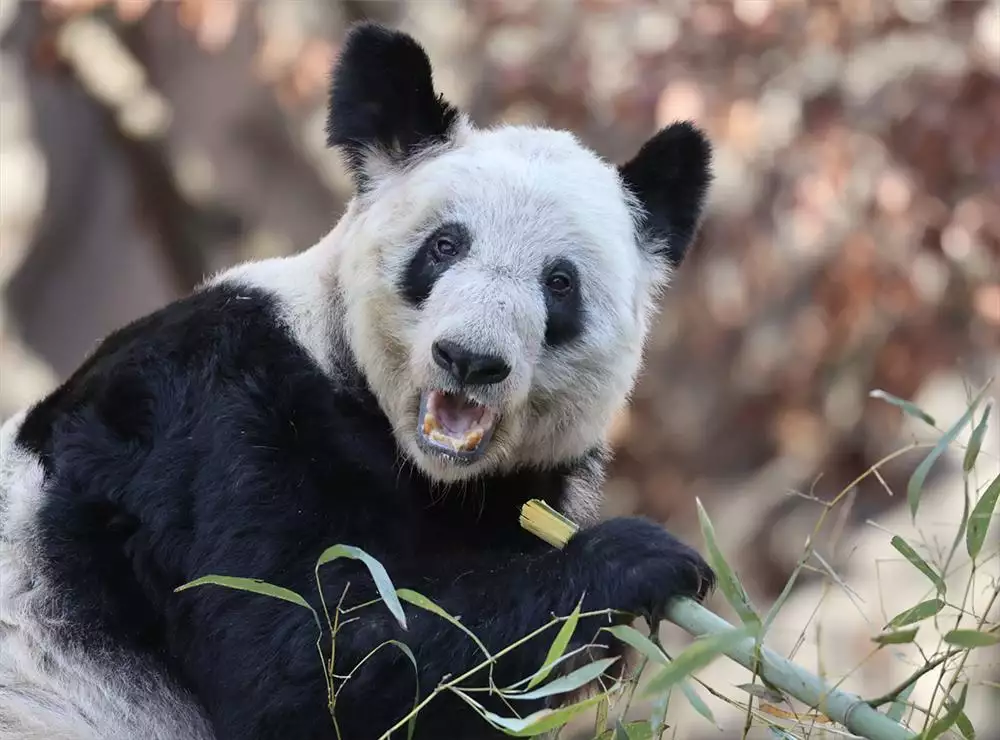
(498,283)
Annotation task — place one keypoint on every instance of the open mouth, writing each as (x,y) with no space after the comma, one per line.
(454,425)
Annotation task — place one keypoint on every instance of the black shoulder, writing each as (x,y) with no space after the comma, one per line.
(202,330)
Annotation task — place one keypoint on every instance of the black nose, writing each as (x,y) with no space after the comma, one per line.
(469,368)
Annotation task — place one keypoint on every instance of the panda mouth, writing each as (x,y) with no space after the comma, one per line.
(454,425)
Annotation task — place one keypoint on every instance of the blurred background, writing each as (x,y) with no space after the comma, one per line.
(852,241)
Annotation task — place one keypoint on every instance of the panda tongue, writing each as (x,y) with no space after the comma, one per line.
(456,413)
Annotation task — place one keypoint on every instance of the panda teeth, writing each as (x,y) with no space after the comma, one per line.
(468,442)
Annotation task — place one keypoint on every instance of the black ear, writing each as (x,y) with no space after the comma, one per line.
(670,176)
(382,99)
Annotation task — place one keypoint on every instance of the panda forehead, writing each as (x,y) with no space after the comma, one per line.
(532,186)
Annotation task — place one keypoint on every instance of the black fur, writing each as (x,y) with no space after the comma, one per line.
(204,440)
(428,263)
(565,314)
(670,176)
(382,97)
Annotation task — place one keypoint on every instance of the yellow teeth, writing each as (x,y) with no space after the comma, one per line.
(470,440)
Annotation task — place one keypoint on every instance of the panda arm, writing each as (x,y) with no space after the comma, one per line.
(631,565)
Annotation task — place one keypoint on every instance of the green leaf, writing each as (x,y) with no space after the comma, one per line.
(972,638)
(570,682)
(780,734)
(975,442)
(917,613)
(916,484)
(899,705)
(251,585)
(546,669)
(697,703)
(697,655)
(377,571)
(601,723)
(535,723)
(762,692)
(964,725)
(633,731)
(645,646)
(627,731)
(945,723)
(907,406)
(901,637)
(919,563)
(421,601)
(558,646)
(411,726)
(658,717)
(979,520)
(729,584)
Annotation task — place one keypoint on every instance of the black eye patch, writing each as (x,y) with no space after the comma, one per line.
(563,303)
(446,245)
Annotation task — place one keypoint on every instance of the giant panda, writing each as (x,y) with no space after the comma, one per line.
(458,344)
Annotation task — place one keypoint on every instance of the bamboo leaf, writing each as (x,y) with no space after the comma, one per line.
(964,725)
(658,717)
(601,723)
(917,613)
(979,520)
(903,547)
(901,637)
(627,731)
(697,703)
(382,582)
(729,584)
(558,646)
(975,442)
(570,682)
(411,726)
(898,706)
(697,655)
(780,734)
(535,723)
(251,585)
(639,641)
(972,638)
(916,484)
(762,692)
(421,601)
(945,723)
(907,406)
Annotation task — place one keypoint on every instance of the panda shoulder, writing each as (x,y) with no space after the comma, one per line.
(224,324)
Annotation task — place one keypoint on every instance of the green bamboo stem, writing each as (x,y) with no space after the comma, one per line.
(848,709)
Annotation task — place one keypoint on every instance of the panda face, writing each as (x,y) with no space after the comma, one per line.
(497,284)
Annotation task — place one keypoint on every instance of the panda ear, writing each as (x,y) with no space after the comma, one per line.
(382,100)
(670,176)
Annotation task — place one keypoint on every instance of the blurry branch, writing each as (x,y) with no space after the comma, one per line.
(139,117)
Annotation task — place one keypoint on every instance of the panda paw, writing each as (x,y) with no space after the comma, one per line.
(637,567)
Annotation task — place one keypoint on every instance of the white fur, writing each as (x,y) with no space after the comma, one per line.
(526,195)
(49,691)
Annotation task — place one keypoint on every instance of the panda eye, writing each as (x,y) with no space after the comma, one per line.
(559,284)
(445,247)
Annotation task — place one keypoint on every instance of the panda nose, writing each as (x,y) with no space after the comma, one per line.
(469,368)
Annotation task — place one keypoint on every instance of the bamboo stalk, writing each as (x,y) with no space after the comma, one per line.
(848,709)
